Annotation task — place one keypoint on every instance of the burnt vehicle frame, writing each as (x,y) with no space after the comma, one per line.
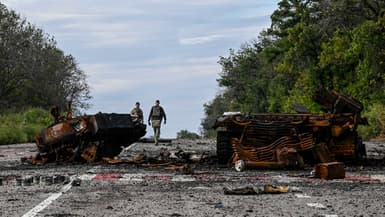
(87,138)
(290,140)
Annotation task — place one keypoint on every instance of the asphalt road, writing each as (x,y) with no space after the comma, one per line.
(165,190)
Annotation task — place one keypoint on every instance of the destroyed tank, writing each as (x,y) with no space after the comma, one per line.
(290,140)
(87,138)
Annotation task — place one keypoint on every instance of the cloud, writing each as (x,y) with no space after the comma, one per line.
(148,49)
(199,39)
(117,77)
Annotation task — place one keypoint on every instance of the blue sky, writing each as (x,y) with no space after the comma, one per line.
(143,50)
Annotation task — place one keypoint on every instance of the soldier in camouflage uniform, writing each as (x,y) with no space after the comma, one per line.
(156,115)
(137,113)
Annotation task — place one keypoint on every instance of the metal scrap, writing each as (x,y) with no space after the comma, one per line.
(86,138)
(289,140)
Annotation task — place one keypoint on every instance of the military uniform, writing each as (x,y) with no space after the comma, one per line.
(156,116)
(137,113)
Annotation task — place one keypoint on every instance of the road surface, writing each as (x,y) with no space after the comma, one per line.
(125,189)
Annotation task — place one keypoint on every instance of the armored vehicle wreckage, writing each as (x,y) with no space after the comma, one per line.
(87,138)
(290,140)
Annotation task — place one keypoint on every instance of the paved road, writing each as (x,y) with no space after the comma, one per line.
(147,190)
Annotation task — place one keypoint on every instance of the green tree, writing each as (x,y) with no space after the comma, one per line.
(185,134)
(245,77)
(34,72)
(335,45)
(212,111)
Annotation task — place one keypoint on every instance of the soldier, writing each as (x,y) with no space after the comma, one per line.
(156,115)
(137,113)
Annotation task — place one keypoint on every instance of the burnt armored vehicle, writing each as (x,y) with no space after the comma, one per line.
(290,140)
(87,138)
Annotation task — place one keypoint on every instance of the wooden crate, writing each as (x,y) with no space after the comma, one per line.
(331,170)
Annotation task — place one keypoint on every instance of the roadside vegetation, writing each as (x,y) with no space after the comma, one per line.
(22,127)
(185,134)
(35,75)
(34,72)
(337,45)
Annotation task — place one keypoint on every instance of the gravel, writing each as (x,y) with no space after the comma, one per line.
(127,189)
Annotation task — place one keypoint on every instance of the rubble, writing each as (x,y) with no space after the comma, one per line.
(249,190)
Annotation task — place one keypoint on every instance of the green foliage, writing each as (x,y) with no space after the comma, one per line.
(33,71)
(213,110)
(376,117)
(23,127)
(245,78)
(337,45)
(11,135)
(185,134)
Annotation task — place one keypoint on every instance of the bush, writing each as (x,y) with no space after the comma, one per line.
(11,135)
(185,134)
(376,118)
(22,127)
(37,116)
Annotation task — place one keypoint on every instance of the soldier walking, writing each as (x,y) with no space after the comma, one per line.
(155,118)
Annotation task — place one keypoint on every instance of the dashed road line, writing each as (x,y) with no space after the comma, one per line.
(380,178)
(302,196)
(29,180)
(41,206)
(316,205)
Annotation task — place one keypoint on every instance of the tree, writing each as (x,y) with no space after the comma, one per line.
(245,78)
(185,134)
(213,110)
(311,44)
(34,72)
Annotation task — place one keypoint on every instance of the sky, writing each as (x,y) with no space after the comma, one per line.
(144,50)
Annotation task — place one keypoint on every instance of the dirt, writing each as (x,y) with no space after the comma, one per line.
(195,187)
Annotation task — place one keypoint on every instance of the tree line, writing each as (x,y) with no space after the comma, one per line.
(34,71)
(337,45)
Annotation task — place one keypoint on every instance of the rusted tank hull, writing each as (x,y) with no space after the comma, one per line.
(87,138)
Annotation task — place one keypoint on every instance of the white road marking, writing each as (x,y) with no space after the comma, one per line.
(87,177)
(381,178)
(316,205)
(129,177)
(183,178)
(34,211)
(141,177)
(302,196)
(286,179)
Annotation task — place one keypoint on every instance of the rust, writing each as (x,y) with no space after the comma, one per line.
(290,140)
(87,138)
(331,170)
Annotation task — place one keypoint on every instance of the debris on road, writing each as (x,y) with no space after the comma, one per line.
(332,170)
(248,190)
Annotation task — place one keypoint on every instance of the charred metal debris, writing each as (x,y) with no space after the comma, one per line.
(101,138)
(268,141)
(87,138)
(262,141)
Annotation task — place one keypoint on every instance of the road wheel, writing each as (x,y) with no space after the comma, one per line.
(224,150)
(360,150)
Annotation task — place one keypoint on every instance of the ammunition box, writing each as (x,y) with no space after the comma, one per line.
(331,170)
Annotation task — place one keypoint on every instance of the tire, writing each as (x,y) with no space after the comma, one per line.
(224,150)
(360,150)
